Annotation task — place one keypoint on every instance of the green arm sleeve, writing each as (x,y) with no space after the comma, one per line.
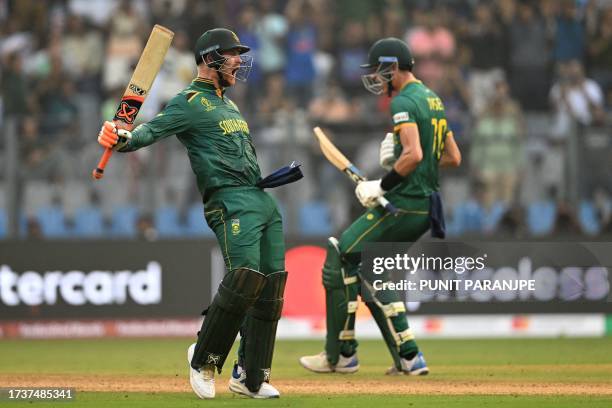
(170,121)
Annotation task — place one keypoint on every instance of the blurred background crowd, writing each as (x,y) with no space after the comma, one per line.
(527,87)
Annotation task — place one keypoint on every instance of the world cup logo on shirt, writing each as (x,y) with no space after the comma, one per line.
(207,105)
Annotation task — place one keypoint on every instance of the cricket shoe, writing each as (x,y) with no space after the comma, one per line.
(237,385)
(319,364)
(416,366)
(203,380)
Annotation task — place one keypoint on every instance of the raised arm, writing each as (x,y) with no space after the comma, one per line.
(171,120)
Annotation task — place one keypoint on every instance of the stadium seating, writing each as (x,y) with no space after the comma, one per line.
(123,221)
(493,216)
(467,217)
(315,219)
(167,222)
(88,223)
(196,224)
(541,217)
(52,221)
(587,216)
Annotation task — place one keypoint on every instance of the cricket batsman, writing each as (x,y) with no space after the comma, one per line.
(420,143)
(244,218)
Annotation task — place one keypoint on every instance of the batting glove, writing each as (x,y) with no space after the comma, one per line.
(386,153)
(368,193)
(112,137)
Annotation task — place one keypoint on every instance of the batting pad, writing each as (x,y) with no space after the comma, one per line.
(238,291)
(259,332)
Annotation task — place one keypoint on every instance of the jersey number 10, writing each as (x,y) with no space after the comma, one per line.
(439,130)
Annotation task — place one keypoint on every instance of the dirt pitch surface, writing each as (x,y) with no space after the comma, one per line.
(420,386)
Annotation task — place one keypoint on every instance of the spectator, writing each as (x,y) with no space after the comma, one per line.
(456,97)
(331,107)
(57,100)
(14,87)
(393,24)
(271,30)
(432,45)
(32,152)
(529,58)
(41,158)
(248,95)
(600,53)
(575,99)
(52,77)
(274,100)
(82,51)
(145,230)
(169,13)
(603,207)
(351,53)
(198,15)
(125,45)
(488,45)
(178,69)
(33,229)
(570,33)
(497,148)
(512,224)
(566,222)
(301,48)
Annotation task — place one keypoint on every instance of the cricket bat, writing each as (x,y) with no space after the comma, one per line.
(138,88)
(343,164)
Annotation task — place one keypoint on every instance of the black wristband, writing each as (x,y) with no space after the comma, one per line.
(391,179)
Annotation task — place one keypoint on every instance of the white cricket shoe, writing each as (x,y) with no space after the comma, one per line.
(416,366)
(202,381)
(319,364)
(237,385)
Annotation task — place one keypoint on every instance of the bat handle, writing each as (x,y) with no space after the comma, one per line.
(387,205)
(98,172)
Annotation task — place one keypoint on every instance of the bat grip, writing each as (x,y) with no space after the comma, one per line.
(98,172)
(387,205)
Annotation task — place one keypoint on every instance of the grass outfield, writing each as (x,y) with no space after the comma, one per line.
(465,373)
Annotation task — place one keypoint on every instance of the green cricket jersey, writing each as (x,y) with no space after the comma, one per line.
(214,133)
(417,105)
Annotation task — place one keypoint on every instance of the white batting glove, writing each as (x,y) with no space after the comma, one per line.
(386,154)
(368,193)
(112,137)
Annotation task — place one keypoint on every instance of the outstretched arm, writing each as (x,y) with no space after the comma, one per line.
(172,120)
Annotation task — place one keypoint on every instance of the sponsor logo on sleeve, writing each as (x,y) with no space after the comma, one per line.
(401,117)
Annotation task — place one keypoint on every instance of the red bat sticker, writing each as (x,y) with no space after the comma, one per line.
(128,109)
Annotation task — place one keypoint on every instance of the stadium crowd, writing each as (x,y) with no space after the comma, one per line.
(521,81)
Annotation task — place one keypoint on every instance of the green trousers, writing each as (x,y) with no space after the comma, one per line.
(248,227)
(342,279)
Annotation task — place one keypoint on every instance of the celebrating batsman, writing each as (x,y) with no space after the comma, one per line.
(244,218)
(421,142)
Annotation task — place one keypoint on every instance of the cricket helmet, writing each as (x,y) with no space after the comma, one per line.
(384,56)
(215,42)
(218,40)
(390,50)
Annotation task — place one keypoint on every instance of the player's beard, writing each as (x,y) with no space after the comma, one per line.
(228,77)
